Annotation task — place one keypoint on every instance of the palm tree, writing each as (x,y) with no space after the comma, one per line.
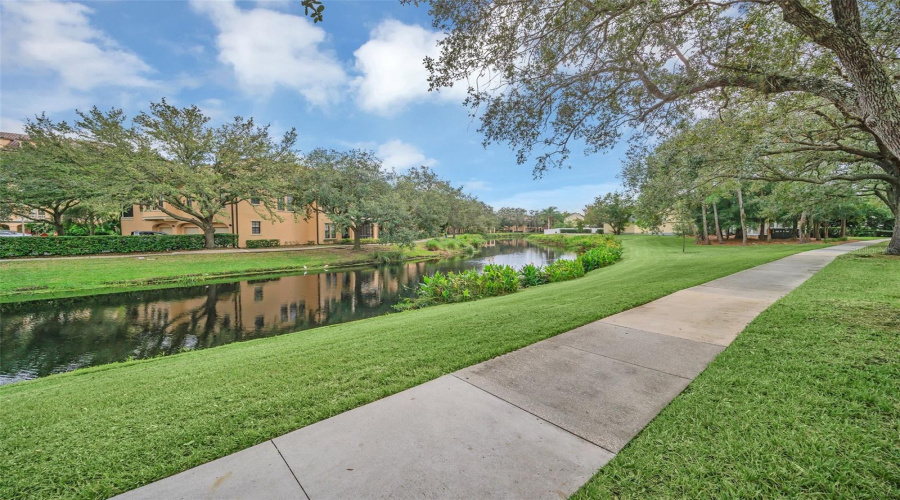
(549,214)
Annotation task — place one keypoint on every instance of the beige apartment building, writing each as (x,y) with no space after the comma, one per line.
(249,220)
(16,222)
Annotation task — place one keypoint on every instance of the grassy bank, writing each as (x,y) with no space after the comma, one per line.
(55,278)
(99,431)
(805,403)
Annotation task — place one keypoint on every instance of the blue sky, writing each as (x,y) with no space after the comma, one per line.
(355,80)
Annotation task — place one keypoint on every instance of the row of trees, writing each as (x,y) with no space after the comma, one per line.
(94,169)
(727,96)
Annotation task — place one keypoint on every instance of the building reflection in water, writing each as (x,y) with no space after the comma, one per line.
(43,337)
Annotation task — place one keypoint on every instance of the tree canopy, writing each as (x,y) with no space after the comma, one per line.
(545,76)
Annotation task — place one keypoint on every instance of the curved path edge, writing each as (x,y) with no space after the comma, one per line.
(535,423)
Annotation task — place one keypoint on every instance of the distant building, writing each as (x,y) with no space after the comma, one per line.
(244,220)
(17,222)
(574,219)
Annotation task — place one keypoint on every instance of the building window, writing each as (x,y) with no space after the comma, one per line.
(254,201)
(258,294)
(128,212)
(289,201)
(366,231)
(282,203)
(330,231)
(256,227)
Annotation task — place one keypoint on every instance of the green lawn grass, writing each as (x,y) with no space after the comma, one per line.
(805,403)
(99,431)
(55,278)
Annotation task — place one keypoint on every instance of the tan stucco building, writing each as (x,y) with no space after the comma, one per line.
(15,222)
(249,220)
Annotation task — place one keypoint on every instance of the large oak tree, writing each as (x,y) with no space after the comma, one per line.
(174,156)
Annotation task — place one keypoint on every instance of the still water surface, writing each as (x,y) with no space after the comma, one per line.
(53,336)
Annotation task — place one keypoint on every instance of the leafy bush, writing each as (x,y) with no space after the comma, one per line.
(579,244)
(467,242)
(263,243)
(532,275)
(225,240)
(87,245)
(564,270)
(391,257)
(596,258)
(498,280)
(363,241)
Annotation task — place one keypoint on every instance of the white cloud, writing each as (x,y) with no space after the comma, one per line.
(398,155)
(567,198)
(476,185)
(11,125)
(393,72)
(269,49)
(58,37)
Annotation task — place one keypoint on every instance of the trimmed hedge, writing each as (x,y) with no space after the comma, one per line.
(577,231)
(263,243)
(88,245)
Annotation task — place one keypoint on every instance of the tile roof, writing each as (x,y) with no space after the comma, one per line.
(14,138)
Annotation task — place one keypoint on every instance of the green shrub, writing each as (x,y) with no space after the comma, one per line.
(263,243)
(532,275)
(498,280)
(468,242)
(87,245)
(596,258)
(362,241)
(391,257)
(226,240)
(579,244)
(564,270)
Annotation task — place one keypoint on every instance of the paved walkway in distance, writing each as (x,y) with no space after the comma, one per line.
(534,423)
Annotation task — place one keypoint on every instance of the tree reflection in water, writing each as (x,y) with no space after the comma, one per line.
(43,337)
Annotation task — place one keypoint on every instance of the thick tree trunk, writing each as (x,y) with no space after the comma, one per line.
(719,238)
(802,227)
(762,229)
(209,237)
(893,247)
(843,228)
(740,197)
(768,230)
(705,225)
(356,244)
(812,228)
(58,225)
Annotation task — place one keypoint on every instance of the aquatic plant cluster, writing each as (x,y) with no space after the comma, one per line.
(470,242)
(494,280)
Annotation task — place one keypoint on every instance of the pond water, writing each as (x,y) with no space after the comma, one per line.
(39,338)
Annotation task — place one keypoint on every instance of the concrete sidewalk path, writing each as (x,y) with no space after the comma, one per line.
(534,423)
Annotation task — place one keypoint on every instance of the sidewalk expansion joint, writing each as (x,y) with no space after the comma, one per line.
(542,419)
(290,469)
(635,364)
